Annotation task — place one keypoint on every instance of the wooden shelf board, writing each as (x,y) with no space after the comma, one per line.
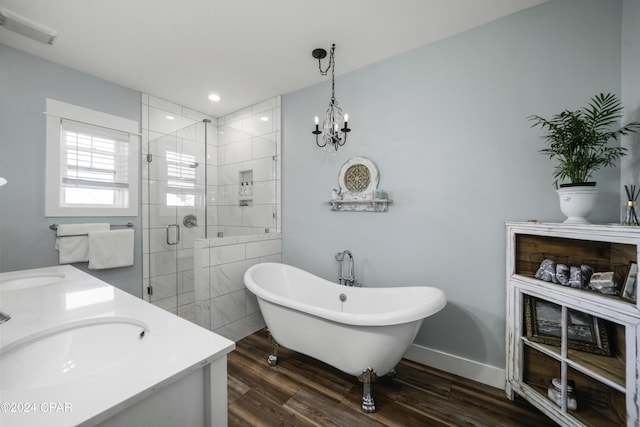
(609,370)
(611,302)
(590,415)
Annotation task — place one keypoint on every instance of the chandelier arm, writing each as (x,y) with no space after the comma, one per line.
(318,143)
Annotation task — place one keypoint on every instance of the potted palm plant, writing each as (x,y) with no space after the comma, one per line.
(579,142)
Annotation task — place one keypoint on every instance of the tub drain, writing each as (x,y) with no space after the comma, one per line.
(343,297)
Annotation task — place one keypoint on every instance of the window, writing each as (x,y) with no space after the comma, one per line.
(181,174)
(92,162)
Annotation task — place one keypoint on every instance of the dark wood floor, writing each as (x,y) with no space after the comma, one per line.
(301,391)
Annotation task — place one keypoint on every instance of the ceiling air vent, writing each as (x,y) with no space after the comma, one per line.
(28,28)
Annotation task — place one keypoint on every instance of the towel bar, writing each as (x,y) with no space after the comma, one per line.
(129,224)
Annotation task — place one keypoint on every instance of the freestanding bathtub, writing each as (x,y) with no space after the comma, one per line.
(360,331)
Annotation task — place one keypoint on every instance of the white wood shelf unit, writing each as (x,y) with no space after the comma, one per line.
(606,386)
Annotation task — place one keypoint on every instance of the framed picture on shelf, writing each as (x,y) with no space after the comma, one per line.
(584,331)
(629,291)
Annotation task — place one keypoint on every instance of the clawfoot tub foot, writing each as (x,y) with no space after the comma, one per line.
(366,378)
(272,360)
(392,373)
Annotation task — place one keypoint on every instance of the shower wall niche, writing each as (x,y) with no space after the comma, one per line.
(197,174)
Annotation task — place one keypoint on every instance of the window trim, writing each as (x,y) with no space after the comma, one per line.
(56,110)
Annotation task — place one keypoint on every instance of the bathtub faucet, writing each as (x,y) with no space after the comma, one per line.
(351,279)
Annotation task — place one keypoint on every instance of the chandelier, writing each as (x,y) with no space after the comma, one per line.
(335,127)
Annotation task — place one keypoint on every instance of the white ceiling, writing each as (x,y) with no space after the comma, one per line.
(244,50)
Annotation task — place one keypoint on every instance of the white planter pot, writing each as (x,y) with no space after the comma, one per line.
(577,203)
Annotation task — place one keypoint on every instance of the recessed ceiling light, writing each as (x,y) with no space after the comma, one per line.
(264,118)
(214,97)
(170,118)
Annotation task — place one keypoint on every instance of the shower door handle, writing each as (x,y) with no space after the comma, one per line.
(176,240)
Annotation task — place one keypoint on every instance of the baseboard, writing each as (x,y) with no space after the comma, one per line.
(486,374)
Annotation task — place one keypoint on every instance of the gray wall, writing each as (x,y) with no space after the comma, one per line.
(630,91)
(25,82)
(447,126)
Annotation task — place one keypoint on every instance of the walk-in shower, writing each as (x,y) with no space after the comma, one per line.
(202,177)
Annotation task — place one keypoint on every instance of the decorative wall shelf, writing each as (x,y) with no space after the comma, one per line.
(359,192)
(370,205)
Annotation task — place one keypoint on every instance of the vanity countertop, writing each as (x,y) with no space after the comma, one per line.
(171,349)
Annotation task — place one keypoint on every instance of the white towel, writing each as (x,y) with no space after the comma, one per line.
(110,249)
(72,242)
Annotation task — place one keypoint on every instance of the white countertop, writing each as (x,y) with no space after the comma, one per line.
(172,349)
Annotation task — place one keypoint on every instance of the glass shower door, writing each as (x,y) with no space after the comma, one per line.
(176,215)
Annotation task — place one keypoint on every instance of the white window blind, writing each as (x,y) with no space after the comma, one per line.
(94,165)
(92,162)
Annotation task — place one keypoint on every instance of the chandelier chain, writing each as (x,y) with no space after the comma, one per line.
(332,60)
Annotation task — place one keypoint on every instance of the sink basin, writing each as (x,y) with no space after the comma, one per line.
(17,281)
(69,352)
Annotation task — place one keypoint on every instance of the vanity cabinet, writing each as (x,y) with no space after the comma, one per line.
(584,339)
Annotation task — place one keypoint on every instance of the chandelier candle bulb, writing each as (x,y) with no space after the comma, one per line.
(346,129)
(317,131)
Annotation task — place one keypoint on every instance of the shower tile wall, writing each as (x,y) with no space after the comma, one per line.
(222,302)
(170,130)
(249,139)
